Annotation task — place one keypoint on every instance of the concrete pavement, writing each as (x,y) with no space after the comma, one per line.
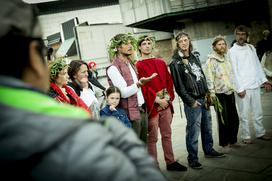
(248,163)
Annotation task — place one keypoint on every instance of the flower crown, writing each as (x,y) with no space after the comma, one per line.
(55,67)
(118,40)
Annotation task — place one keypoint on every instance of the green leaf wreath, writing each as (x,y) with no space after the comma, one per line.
(119,39)
(55,67)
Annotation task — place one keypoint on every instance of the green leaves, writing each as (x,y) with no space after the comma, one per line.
(218,107)
(118,40)
(55,67)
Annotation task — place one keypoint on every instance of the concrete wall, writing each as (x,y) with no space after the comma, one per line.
(109,14)
(202,33)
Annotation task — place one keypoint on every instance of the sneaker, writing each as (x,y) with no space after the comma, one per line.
(176,167)
(264,137)
(247,141)
(225,149)
(195,165)
(237,145)
(214,154)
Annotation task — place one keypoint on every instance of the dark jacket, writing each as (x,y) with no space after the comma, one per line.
(41,139)
(119,114)
(92,78)
(185,81)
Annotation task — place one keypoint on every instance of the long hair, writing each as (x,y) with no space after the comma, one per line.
(216,40)
(178,36)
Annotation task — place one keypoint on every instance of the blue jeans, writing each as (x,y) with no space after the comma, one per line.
(198,119)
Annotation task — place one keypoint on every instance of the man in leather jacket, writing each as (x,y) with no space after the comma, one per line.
(190,84)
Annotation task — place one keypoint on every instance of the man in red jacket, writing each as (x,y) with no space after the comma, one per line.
(158,95)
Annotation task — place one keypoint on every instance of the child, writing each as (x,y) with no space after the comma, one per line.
(113,95)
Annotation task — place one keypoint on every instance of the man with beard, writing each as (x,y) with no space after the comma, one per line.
(158,95)
(190,84)
(219,77)
(122,74)
(249,76)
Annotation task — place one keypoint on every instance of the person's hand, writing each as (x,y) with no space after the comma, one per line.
(267,86)
(112,108)
(196,104)
(144,80)
(163,103)
(242,94)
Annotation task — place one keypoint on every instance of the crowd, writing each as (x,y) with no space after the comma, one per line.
(54,128)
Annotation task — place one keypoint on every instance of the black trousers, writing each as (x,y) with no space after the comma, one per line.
(229,129)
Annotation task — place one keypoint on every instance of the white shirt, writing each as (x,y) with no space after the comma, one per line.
(247,68)
(118,81)
(88,96)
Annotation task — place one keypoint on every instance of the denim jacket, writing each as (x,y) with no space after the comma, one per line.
(119,114)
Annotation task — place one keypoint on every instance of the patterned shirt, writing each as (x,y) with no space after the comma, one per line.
(219,74)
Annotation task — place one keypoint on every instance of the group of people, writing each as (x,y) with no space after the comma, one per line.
(45,140)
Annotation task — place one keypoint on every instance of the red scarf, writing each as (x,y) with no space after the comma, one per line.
(71,98)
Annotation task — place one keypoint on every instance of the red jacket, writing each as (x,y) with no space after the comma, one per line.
(71,98)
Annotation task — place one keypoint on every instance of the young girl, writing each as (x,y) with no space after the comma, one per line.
(113,95)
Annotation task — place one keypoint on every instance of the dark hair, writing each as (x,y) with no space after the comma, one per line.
(49,53)
(242,28)
(112,89)
(15,48)
(178,36)
(145,38)
(74,67)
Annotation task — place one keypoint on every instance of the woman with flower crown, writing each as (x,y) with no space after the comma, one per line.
(58,85)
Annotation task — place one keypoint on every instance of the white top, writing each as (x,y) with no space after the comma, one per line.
(247,69)
(118,81)
(267,63)
(88,96)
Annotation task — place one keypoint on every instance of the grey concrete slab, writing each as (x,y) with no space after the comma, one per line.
(250,162)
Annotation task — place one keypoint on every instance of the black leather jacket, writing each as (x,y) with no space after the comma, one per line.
(187,85)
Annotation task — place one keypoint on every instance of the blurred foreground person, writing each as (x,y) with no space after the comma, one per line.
(41,139)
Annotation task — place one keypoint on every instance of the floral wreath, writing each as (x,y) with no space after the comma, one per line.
(115,42)
(55,67)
